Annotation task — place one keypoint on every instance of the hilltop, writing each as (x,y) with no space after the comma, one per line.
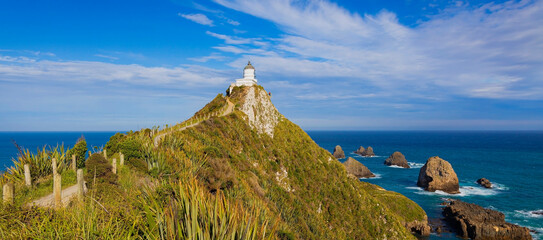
(238,168)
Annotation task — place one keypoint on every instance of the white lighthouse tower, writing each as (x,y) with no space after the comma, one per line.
(248,78)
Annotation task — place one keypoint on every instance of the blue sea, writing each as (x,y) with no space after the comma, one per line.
(35,140)
(512,161)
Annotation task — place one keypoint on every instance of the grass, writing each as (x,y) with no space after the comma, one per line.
(217,180)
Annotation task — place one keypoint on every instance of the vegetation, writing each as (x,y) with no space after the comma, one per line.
(217,180)
(80,151)
(41,163)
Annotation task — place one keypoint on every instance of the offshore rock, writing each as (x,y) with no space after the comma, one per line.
(484,182)
(438,174)
(397,159)
(475,222)
(419,227)
(338,152)
(365,152)
(357,169)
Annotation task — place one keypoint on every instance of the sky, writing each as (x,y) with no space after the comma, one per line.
(329,64)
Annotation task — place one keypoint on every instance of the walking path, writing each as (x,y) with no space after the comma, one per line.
(159,137)
(67,194)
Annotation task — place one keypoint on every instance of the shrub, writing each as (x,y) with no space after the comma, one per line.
(97,166)
(138,163)
(112,145)
(147,132)
(131,148)
(80,150)
(218,174)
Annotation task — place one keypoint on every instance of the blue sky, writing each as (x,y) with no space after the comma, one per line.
(330,64)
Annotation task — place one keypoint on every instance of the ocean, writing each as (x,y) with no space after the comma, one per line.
(35,140)
(512,161)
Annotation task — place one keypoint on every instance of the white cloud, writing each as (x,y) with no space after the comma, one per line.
(208,58)
(490,51)
(106,56)
(46,71)
(232,22)
(198,18)
(230,39)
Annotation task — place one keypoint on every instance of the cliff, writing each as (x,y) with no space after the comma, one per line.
(274,164)
(237,169)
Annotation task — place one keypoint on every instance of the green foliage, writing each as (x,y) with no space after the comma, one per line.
(80,151)
(112,146)
(131,148)
(218,174)
(40,163)
(186,212)
(99,171)
(217,180)
(138,164)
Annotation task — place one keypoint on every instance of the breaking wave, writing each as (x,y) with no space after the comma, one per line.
(415,165)
(464,192)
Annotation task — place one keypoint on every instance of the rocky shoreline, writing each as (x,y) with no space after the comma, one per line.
(475,222)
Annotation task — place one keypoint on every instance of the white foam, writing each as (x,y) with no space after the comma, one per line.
(538,233)
(464,192)
(395,166)
(415,165)
(499,186)
(377,176)
(528,214)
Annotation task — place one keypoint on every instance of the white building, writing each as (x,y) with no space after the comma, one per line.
(248,77)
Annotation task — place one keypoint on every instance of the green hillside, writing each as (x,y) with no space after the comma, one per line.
(248,173)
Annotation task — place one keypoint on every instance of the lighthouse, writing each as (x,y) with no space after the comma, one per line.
(249,78)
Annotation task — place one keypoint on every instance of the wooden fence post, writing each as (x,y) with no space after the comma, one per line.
(28,180)
(80,184)
(74,163)
(8,193)
(122,160)
(54,165)
(105,154)
(57,190)
(114,166)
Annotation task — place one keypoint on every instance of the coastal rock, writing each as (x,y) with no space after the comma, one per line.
(360,150)
(475,222)
(365,152)
(338,152)
(419,227)
(397,159)
(438,174)
(357,169)
(484,182)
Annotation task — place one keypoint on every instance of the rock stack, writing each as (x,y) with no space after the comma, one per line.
(438,174)
(338,152)
(365,152)
(484,182)
(397,159)
(357,169)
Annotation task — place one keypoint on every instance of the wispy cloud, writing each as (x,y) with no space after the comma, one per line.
(46,71)
(208,58)
(232,22)
(231,39)
(489,51)
(198,18)
(106,56)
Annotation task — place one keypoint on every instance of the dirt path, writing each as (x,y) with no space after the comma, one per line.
(159,137)
(67,194)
